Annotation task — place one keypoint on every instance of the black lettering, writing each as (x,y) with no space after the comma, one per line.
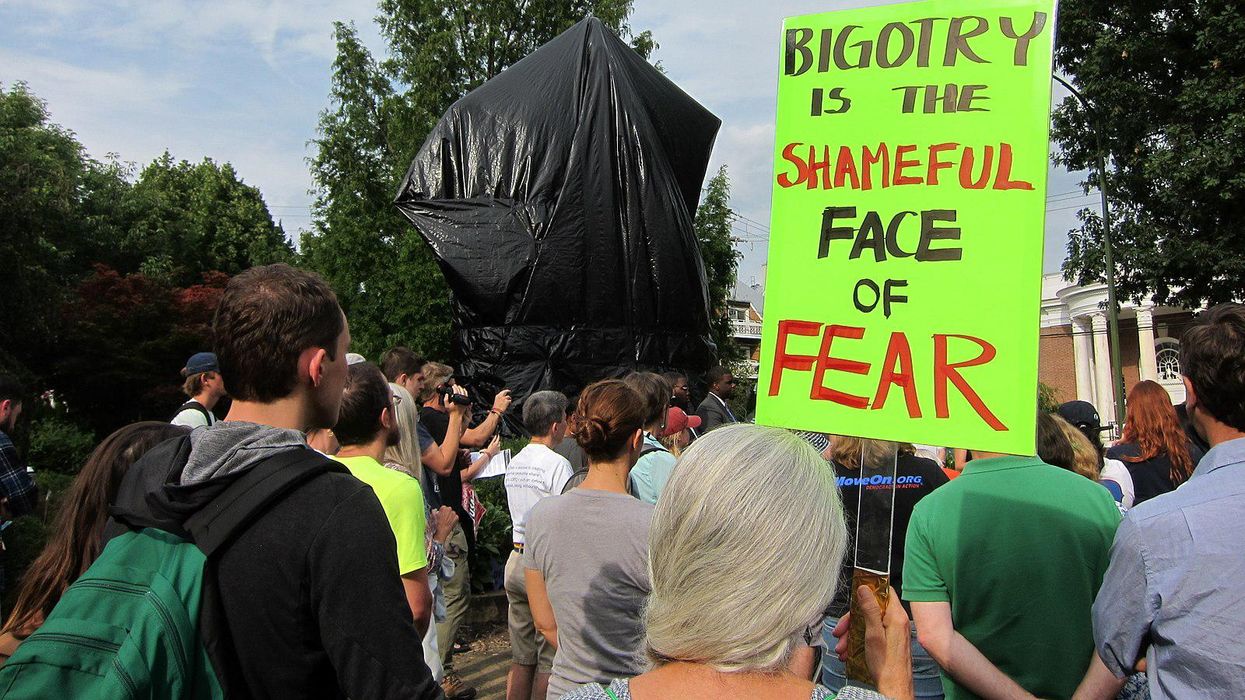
(905,49)
(871,286)
(957,40)
(892,236)
(797,43)
(968,93)
(889,297)
(1021,57)
(872,235)
(840,57)
(931,233)
(830,232)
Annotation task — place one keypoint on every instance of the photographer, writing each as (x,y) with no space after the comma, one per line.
(444,412)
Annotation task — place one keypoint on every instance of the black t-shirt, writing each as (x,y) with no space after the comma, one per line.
(449,488)
(1151,477)
(313,601)
(917,478)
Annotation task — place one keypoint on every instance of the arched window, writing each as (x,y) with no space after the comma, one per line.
(1167,357)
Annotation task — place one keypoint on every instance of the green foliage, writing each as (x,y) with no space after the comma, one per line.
(25,539)
(380,111)
(1047,401)
(713,233)
(58,445)
(1167,83)
(187,218)
(494,540)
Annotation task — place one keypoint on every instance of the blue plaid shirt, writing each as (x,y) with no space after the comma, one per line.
(16,483)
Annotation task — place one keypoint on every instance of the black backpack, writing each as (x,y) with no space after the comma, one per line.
(194,405)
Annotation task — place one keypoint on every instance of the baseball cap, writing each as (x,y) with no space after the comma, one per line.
(354,358)
(677,421)
(1082,414)
(200,362)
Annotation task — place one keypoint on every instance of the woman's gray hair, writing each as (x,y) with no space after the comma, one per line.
(744,550)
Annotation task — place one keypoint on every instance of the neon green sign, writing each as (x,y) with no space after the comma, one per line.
(905,263)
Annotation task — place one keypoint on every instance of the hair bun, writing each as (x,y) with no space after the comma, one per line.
(593,433)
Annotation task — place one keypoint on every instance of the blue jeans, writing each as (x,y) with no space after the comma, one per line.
(926,676)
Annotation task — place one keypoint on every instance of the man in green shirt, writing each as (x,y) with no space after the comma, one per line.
(1001,567)
(365,426)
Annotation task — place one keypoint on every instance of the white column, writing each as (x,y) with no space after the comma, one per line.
(1103,390)
(1083,355)
(1147,366)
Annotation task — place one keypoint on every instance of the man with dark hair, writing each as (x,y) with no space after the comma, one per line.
(536,473)
(365,427)
(18,493)
(308,591)
(1172,593)
(403,367)
(203,385)
(713,411)
(652,469)
(680,397)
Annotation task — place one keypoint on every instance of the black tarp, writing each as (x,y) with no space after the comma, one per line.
(558,199)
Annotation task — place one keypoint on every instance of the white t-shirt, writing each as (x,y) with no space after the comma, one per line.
(1114,470)
(535,473)
(193,418)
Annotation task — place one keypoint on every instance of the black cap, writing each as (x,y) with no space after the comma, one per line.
(1082,414)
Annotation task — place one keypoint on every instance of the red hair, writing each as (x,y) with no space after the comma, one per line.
(1151,423)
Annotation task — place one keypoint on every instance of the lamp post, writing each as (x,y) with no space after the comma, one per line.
(1113,313)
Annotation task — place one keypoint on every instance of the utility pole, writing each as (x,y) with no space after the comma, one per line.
(1113,309)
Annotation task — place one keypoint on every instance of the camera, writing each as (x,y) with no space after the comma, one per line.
(448,395)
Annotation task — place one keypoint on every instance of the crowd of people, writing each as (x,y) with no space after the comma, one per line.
(659,550)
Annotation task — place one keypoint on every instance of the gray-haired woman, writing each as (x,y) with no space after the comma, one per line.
(739,547)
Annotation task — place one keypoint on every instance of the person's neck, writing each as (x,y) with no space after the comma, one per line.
(978,454)
(694,681)
(291,412)
(608,475)
(1217,433)
(437,406)
(206,399)
(546,440)
(374,449)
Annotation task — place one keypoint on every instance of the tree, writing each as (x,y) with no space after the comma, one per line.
(713,233)
(1167,82)
(380,112)
(59,214)
(187,218)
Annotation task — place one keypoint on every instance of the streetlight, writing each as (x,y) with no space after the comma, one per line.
(1113,314)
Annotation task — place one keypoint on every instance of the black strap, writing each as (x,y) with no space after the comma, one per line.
(196,406)
(650,449)
(262,485)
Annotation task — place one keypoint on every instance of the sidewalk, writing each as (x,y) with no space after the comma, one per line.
(486,665)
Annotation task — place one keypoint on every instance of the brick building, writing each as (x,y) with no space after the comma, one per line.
(1074,351)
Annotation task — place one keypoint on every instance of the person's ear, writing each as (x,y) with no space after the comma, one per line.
(637,440)
(6,407)
(1190,396)
(387,418)
(317,358)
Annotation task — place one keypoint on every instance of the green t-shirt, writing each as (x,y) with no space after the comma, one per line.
(403,502)
(1018,548)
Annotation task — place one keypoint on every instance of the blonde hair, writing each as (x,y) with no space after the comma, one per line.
(726,592)
(846,450)
(1085,457)
(405,454)
(435,374)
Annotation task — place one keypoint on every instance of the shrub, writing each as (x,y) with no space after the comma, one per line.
(58,445)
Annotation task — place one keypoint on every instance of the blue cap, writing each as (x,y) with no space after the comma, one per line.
(200,362)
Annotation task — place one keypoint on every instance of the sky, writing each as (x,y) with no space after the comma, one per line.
(243,81)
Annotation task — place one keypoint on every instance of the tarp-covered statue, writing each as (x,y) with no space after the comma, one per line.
(558,198)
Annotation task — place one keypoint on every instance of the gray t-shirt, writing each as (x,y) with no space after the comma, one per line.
(591,547)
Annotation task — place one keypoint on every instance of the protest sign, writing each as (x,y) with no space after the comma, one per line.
(905,261)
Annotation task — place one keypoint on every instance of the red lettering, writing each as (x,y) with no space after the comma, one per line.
(966,169)
(784,360)
(897,370)
(901,165)
(788,154)
(846,167)
(822,165)
(826,363)
(950,372)
(871,158)
(1002,179)
(931,174)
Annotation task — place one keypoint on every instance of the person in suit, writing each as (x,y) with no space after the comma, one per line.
(713,411)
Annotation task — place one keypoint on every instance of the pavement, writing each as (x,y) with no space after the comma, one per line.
(486,665)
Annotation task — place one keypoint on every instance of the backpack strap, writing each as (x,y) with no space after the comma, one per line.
(192,404)
(650,449)
(261,486)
